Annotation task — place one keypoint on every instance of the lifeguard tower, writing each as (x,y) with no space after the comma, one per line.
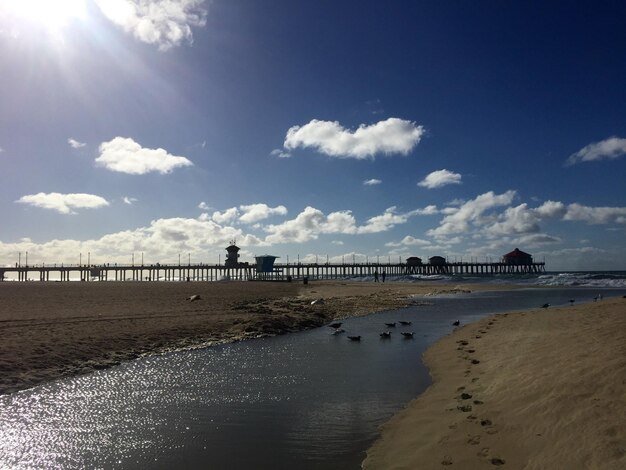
(232,258)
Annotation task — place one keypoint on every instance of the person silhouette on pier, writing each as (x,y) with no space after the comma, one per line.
(376,276)
(384,275)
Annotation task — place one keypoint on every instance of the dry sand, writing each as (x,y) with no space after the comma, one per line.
(52,330)
(542,389)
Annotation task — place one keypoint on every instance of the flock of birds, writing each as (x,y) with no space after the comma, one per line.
(384,334)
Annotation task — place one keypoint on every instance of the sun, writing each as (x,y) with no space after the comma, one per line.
(51,14)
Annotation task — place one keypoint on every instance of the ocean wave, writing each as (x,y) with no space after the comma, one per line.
(584,279)
(614,279)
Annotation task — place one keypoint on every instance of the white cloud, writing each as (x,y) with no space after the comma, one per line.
(440,178)
(161,241)
(228,216)
(254,212)
(248,214)
(607,149)
(165,23)
(595,215)
(127,156)
(428,210)
(129,200)
(337,242)
(392,136)
(75,144)
(372,182)
(309,224)
(536,239)
(63,203)
(471,212)
(204,206)
(409,241)
(516,220)
(280,153)
(551,209)
(386,221)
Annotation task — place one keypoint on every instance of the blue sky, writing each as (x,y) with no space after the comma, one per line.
(339,128)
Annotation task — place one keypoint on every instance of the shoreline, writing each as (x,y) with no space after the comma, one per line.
(540,388)
(50,331)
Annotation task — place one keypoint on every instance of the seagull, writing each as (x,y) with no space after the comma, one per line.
(408,335)
(405,323)
(354,338)
(545,305)
(385,335)
(335,325)
(317,301)
(456,323)
(391,325)
(193,298)
(571,301)
(338,331)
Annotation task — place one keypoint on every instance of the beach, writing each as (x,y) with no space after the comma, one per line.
(536,389)
(54,330)
(539,389)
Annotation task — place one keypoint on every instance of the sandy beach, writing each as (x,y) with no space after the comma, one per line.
(541,389)
(53,330)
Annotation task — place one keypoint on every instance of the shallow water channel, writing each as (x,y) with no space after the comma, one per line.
(304,400)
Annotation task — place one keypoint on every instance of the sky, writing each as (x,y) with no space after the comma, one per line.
(326,130)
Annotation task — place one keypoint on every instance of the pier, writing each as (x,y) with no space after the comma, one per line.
(245,271)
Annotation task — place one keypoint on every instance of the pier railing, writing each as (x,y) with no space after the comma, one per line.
(243,271)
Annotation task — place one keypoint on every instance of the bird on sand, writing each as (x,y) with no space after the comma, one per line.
(338,331)
(317,302)
(194,297)
(545,305)
(354,338)
(405,323)
(408,335)
(335,325)
(456,323)
(391,325)
(385,335)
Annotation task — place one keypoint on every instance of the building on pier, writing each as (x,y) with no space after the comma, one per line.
(437,261)
(413,261)
(517,257)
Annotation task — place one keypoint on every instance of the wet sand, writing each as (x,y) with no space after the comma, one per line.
(54,330)
(541,389)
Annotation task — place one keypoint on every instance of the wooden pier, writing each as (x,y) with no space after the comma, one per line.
(244,271)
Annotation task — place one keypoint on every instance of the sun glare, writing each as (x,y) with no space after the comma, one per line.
(52,14)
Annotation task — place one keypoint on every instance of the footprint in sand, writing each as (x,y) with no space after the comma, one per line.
(471,350)
(478,402)
(475,361)
(446,461)
(484,452)
(465,396)
(497,461)
(477,336)
(486,422)
(464,408)
(474,440)
(475,379)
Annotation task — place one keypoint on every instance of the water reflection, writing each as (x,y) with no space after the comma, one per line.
(306,400)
